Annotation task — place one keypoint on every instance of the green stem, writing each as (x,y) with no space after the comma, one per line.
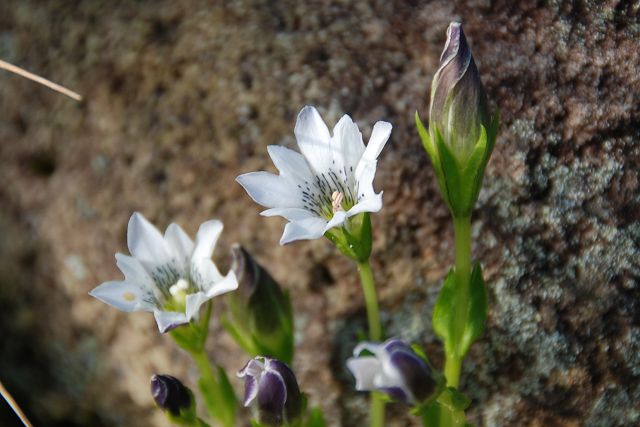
(371,300)
(211,390)
(462,228)
(376,411)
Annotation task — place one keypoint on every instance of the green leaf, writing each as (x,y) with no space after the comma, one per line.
(444,311)
(447,411)
(444,322)
(316,418)
(477,310)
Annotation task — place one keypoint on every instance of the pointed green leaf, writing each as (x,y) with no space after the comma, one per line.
(444,322)
(443,313)
(477,310)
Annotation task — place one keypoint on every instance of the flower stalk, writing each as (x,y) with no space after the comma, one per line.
(462,229)
(214,386)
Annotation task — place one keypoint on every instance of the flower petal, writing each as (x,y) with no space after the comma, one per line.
(348,138)
(272,395)
(310,228)
(253,368)
(125,296)
(313,138)
(379,137)
(206,238)
(291,214)
(250,390)
(367,204)
(146,243)
(291,164)
(364,369)
(377,349)
(194,301)
(133,271)
(168,320)
(337,220)
(180,245)
(270,190)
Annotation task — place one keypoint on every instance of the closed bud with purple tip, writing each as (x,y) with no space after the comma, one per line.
(171,395)
(272,390)
(458,101)
(396,369)
(461,131)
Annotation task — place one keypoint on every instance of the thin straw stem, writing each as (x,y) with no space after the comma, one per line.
(48,83)
(14,405)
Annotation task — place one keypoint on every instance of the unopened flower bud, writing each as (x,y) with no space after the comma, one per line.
(395,369)
(260,315)
(458,101)
(272,389)
(461,136)
(170,394)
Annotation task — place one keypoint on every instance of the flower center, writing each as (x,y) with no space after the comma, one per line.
(336,201)
(178,293)
(330,192)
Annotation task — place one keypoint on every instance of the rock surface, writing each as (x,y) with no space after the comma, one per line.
(180,97)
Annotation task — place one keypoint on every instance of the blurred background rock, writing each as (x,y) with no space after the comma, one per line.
(182,96)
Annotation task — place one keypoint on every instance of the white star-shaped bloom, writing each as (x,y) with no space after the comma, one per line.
(330,181)
(168,275)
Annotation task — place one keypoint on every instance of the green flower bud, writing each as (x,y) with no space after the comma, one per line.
(461,136)
(260,318)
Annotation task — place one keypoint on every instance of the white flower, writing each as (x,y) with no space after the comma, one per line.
(329,182)
(169,276)
(393,368)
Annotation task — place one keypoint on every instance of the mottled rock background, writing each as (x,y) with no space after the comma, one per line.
(182,96)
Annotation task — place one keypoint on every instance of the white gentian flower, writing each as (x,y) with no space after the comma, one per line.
(168,275)
(329,182)
(394,368)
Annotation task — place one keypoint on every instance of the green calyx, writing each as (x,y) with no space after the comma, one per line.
(459,175)
(353,239)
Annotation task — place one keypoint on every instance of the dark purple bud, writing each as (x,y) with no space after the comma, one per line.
(458,101)
(272,388)
(170,394)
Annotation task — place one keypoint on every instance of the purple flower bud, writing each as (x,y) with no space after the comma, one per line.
(458,100)
(170,394)
(273,387)
(394,369)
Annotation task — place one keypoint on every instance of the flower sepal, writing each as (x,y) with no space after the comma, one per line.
(459,179)
(193,335)
(354,238)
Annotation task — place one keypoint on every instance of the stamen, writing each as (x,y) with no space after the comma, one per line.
(179,287)
(336,201)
